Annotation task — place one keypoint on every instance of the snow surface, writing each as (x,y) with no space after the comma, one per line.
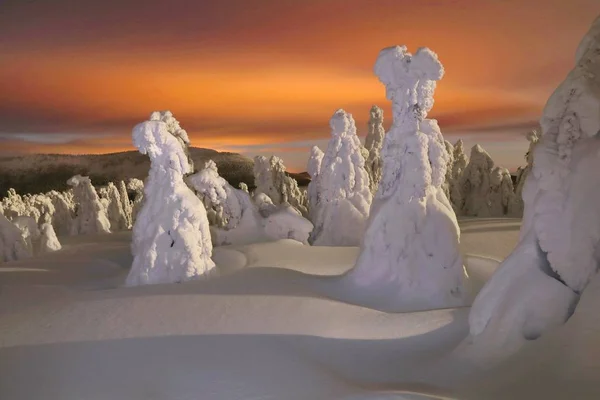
(261,330)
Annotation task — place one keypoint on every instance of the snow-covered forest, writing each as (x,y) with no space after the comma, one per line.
(409,266)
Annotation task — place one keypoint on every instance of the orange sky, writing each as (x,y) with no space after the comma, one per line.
(262,77)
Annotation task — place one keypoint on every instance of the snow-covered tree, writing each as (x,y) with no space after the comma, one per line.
(62,219)
(343,187)
(373,144)
(410,257)
(137,186)
(314,169)
(116,215)
(125,203)
(171,238)
(29,231)
(48,240)
(459,163)
(448,180)
(12,244)
(522,173)
(244,187)
(538,286)
(90,214)
(270,178)
(244,222)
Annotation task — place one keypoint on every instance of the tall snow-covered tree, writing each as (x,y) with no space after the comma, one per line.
(12,244)
(90,214)
(116,215)
(62,219)
(343,187)
(171,238)
(538,286)
(459,163)
(522,173)
(314,169)
(410,257)
(125,203)
(373,144)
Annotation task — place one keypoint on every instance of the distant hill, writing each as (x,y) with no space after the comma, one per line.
(39,173)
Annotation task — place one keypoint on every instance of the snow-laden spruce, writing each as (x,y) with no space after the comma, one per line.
(459,164)
(486,190)
(29,231)
(136,186)
(270,178)
(343,188)
(410,257)
(522,173)
(90,214)
(243,222)
(62,219)
(373,144)
(171,238)
(125,203)
(12,245)
(538,286)
(313,192)
(448,180)
(116,214)
(48,240)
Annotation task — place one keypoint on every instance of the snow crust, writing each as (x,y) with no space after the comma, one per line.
(344,197)
(171,237)
(410,255)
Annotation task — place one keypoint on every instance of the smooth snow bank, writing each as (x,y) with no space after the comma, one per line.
(538,286)
(171,237)
(410,257)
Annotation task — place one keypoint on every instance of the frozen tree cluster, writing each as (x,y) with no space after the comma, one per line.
(539,285)
(243,220)
(171,237)
(270,178)
(340,214)
(373,144)
(410,257)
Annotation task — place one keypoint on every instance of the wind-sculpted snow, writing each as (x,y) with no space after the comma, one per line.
(373,144)
(244,221)
(171,237)
(538,286)
(90,214)
(409,256)
(343,188)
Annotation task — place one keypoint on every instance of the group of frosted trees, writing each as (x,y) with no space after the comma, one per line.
(41,218)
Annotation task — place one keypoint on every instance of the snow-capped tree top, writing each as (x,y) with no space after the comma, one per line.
(210,183)
(397,69)
(135,184)
(339,123)
(314,161)
(173,125)
(153,138)
(481,158)
(78,180)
